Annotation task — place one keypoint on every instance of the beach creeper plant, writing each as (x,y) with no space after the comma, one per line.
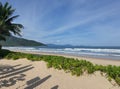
(69,65)
(7,26)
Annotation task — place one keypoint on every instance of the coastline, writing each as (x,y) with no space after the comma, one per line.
(100,61)
(42,77)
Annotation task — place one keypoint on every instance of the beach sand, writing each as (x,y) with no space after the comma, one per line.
(35,75)
(99,61)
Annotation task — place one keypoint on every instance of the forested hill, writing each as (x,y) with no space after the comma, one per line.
(14,41)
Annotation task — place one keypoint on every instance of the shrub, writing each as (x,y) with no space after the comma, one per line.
(75,66)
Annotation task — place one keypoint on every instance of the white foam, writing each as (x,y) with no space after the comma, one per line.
(84,51)
(93,50)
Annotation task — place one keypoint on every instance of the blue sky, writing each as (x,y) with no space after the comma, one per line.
(75,22)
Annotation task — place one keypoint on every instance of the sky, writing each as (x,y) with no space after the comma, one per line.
(75,22)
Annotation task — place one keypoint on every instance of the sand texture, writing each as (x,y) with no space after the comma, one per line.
(25,74)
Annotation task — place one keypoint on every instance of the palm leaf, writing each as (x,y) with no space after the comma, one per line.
(6,5)
(11,19)
(7,27)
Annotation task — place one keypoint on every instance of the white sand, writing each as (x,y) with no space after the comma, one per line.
(58,79)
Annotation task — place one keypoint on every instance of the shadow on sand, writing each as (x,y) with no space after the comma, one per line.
(55,87)
(9,75)
(36,82)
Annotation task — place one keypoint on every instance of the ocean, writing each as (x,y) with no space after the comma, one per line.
(94,52)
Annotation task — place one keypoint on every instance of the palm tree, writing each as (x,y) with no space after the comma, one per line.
(7,27)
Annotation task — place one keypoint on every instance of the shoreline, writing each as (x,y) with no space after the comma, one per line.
(50,78)
(100,61)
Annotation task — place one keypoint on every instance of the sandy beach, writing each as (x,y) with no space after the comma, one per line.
(60,44)
(26,74)
(99,61)
(36,75)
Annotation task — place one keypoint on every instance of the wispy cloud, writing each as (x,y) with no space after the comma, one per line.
(70,21)
(99,14)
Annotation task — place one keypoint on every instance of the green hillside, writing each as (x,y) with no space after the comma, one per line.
(14,41)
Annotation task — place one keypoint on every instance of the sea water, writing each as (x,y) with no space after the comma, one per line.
(95,52)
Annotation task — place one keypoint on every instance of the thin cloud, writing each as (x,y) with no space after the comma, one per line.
(93,17)
(70,21)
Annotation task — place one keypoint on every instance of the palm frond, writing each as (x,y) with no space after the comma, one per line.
(6,19)
(11,19)
(6,5)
